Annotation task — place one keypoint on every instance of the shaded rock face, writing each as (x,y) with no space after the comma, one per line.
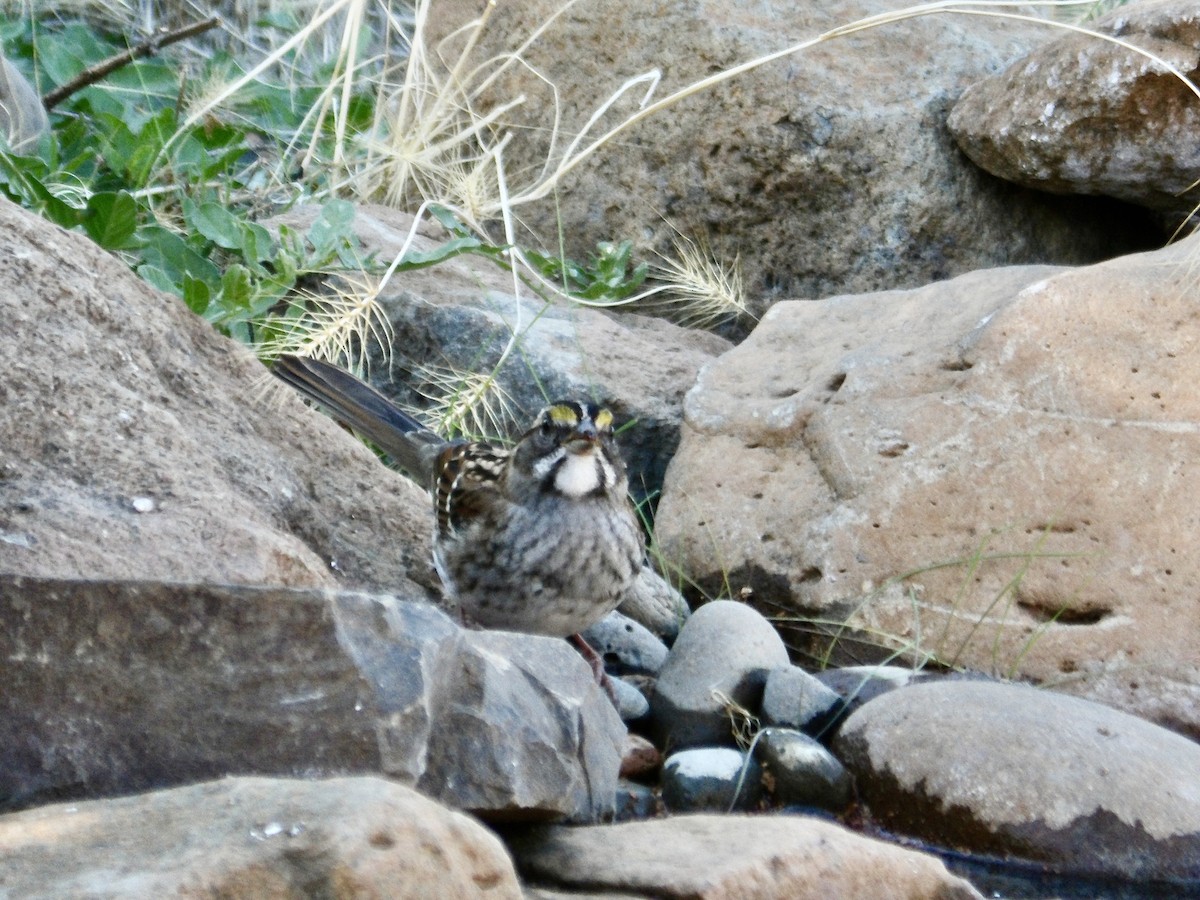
(1085,116)
(255,837)
(118,687)
(461,315)
(1012,770)
(828,171)
(997,469)
(138,443)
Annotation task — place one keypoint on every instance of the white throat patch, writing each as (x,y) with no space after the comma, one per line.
(579,474)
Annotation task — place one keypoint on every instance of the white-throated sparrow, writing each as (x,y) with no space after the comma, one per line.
(540,537)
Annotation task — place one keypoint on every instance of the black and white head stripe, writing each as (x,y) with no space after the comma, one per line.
(578,463)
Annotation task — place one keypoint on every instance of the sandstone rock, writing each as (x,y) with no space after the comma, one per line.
(711,779)
(460,315)
(640,758)
(722,657)
(719,857)
(830,170)
(1009,769)
(254,837)
(138,444)
(113,687)
(1085,116)
(995,469)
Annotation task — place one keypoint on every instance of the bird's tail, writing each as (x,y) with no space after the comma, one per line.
(356,404)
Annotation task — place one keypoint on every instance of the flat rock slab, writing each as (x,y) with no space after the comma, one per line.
(118,687)
(718,857)
(254,837)
(1010,769)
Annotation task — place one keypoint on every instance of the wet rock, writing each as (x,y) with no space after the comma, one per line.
(722,657)
(631,704)
(640,758)
(856,685)
(636,801)
(802,771)
(711,779)
(114,687)
(254,837)
(1009,769)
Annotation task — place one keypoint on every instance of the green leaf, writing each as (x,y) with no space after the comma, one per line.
(169,252)
(196,294)
(214,222)
(158,278)
(111,220)
(332,226)
(257,245)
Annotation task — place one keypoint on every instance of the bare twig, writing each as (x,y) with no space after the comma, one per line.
(148,47)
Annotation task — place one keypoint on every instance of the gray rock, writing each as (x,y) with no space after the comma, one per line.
(636,801)
(795,699)
(857,685)
(828,171)
(625,645)
(116,687)
(254,837)
(1086,116)
(711,779)
(726,857)
(802,771)
(1012,770)
(722,656)
(631,703)
(656,604)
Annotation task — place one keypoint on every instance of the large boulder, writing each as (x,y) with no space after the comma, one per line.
(254,837)
(829,170)
(1081,115)
(138,443)
(1009,770)
(996,471)
(118,687)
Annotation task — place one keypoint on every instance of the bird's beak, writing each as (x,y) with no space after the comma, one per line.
(583,438)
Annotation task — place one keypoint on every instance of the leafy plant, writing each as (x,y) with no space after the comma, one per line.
(177,203)
(608,276)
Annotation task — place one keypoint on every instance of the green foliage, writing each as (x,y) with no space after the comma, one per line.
(178,200)
(178,204)
(607,277)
